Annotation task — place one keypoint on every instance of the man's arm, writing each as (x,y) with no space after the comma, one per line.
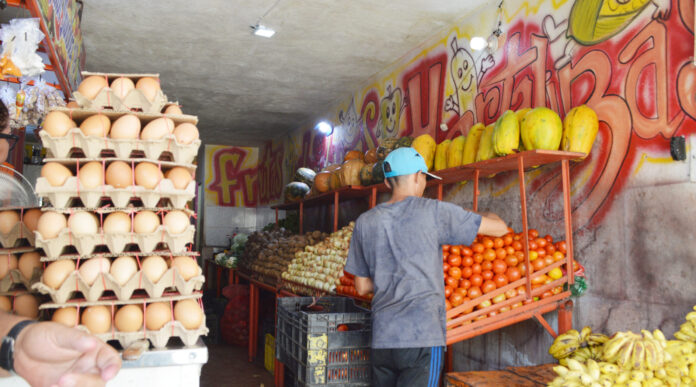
(363,285)
(492,225)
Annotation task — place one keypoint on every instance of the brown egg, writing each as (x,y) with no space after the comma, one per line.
(122,86)
(126,127)
(154,267)
(157,315)
(50,224)
(56,272)
(92,175)
(157,129)
(129,318)
(176,221)
(31,218)
(117,223)
(179,176)
(119,175)
(83,222)
(147,175)
(7,262)
(8,219)
(97,125)
(92,85)
(28,262)
(173,109)
(149,87)
(123,269)
(97,319)
(66,316)
(186,133)
(92,268)
(57,124)
(187,267)
(5,304)
(56,174)
(145,222)
(26,305)
(188,313)
(73,105)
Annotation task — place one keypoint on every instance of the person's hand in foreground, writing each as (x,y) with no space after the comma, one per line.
(50,354)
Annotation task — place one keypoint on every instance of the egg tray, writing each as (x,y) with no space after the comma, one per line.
(19,235)
(17,250)
(159,339)
(74,164)
(109,209)
(74,284)
(120,197)
(161,253)
(116,243)
(14,278)
(93,146)
(134,100)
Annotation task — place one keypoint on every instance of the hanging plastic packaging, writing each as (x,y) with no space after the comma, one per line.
(20,40)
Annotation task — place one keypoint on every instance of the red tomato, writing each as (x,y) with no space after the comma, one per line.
(519,255)
(517,245)
(541,242)
(477,248)
(539,280)
(448,291)
(488,286)
(445,256)
(511,260)
(507,240)
(487,242)
(498,243)
(489,255)
(445,267)
(467,310)
(533,233)
(342,328)
(533,245)
(487,274)
(467,260)
(500,253)
(476,280)
(548,260)
(513,274)
(448,305)
(550,249)
(546,294)
(548,238)
(499,266)
(561,246)
(474,292)
(461,291)
(446,247)
(557,256)
(476,268)
(509,250)
(487,265)
(455,272)
(455,250)
(499,298)
(464,284)
(467,271)
(478,258)
(454,260)
(538,264)
(523,268)
(500,280)
(510,293)
(541,253)
(456,299)
(467,252)
(451,282)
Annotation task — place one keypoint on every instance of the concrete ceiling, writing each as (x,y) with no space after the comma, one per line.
(247,89)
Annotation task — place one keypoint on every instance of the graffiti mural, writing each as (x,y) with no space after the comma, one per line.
(628,60)
(232,176)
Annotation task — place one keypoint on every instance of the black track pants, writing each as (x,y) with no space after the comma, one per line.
(413,367)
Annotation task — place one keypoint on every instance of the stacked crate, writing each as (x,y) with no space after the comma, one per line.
(135,277)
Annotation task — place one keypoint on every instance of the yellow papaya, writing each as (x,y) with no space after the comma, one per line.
(506,134)
(472,143)
(520,116)
(580,129)
(425,145)
(455,152)
(485,149)
(441,155)
(541,128)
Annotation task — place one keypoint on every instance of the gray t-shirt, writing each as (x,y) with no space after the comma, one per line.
(398,246)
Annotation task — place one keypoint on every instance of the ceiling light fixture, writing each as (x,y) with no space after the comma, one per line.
(263,31)
(324,128)
(478,43)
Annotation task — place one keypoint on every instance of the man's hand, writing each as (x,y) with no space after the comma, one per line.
(363,286)
(492,225)
(50,354)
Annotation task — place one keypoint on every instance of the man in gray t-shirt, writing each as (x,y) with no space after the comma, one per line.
(396,253)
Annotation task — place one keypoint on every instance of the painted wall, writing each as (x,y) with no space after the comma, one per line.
(632,205)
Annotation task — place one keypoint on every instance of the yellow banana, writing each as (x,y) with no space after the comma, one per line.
(586,379)
(613,346)
(574,365)
(637,375)
(561,370)
(625,354)
(597,339)
(623,377)
(585,333)
(609,368)
(637,356)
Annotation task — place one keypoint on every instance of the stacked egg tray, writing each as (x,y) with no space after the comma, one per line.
(74,143)
(158,338)
(75,149)
(134,100)
(105,194)
(16,242)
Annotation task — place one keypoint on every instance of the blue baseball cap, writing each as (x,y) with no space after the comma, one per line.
(405,161)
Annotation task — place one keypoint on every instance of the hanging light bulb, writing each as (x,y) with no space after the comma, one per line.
(478,43)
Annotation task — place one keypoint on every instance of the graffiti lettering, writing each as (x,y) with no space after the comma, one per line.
(230,178)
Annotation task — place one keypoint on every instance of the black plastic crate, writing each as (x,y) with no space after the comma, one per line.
(312,342)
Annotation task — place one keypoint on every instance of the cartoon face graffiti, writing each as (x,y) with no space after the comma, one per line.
(350,126)
(464,77)
(390,113)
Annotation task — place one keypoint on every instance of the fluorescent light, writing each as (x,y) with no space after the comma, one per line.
(261,30)
(324,128)
(478,43)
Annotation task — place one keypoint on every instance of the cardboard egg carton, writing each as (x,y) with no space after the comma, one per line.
(161,253)
(135,100)
(19,233)
(120,197)
(159,338)
(17,250)
(14,278)
(74,284)
(75,142)
(85,244)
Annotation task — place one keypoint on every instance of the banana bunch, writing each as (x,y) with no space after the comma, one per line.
(580,346)
(599,374)
(631,351)
(687,331)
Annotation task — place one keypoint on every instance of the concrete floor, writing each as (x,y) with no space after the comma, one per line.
(229,366)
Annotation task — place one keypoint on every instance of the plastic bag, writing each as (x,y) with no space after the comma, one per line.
(20,40)
(234,324)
